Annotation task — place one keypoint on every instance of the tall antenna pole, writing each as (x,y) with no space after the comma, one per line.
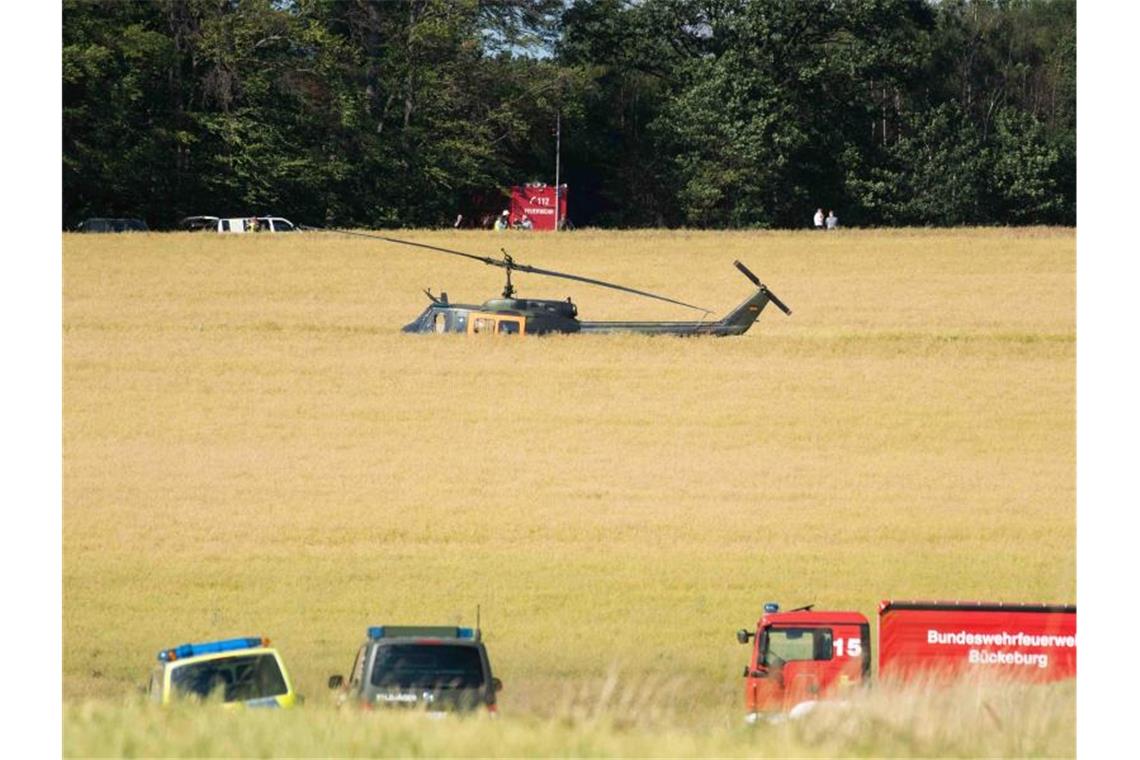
(557,169)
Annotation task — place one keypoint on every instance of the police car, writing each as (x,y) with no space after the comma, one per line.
(242,671)
(438,669)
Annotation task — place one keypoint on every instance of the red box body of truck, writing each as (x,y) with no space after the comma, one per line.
(1024,642)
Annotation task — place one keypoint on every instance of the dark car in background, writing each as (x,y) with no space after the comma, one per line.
(438,669)
(103,224)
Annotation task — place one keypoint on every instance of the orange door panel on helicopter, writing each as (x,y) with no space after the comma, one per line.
(496,324)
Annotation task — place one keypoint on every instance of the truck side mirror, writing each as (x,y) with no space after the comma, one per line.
(496,684)
(335,682)
(744,635)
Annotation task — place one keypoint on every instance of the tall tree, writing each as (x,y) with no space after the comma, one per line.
(712,113)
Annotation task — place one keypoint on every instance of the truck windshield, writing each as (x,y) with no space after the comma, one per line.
(235,679)
(797,644)
(432,666)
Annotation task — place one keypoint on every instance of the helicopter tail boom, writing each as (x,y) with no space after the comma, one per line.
(736,322)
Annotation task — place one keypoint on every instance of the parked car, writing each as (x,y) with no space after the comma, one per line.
(101,224)
(236,672)
(434,668)
(237,224)
(199,224)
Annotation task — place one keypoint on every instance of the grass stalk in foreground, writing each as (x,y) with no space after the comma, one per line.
(610,718)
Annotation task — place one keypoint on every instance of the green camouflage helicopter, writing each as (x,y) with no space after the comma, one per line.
(510,315)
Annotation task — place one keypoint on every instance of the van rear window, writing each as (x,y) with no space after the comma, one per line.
(430,666)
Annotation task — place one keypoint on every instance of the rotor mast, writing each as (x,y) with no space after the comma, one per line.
(508,264)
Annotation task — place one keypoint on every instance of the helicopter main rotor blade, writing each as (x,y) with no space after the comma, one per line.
(511,265)
(484,259)
(550,273)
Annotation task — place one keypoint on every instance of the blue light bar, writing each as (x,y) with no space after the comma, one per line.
(424,631)
(770,607)
(210,647)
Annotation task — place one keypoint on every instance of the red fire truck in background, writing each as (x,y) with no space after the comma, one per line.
(801,656)
(542,204)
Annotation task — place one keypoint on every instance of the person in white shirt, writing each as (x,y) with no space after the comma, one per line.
(818,220)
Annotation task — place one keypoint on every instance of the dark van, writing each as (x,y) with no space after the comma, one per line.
(437,669)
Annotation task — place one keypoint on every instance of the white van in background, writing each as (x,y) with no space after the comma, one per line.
(237,224)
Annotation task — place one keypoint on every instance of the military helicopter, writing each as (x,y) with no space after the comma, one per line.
(510,315)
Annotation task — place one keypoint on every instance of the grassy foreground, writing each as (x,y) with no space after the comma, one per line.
(604,720)
(252,447)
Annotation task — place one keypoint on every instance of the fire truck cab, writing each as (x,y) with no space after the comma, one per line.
(801,656)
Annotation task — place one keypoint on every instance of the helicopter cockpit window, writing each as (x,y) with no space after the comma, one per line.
(508,327)
(439,322)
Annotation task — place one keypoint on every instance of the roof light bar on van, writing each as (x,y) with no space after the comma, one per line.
(211,647)
(771,607)
(422,631)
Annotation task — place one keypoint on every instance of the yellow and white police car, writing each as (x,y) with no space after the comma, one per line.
(236,672)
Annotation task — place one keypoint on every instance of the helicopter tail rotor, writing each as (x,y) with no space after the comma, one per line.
(756,281)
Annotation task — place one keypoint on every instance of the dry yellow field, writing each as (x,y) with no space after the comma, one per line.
(251,446)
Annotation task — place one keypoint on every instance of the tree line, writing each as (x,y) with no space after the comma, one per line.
(695,113)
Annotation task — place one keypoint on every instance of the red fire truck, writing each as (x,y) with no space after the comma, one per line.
(544,206)
(804,655)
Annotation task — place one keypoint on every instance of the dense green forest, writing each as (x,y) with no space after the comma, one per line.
(696,113)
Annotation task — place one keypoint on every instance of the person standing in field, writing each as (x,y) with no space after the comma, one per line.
(832,220)
(503,221)
(818,219)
